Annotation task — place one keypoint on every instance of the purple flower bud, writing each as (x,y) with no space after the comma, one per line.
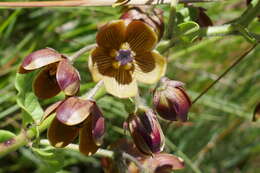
(171,101)
(146,131)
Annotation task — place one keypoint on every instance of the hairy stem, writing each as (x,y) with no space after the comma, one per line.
(93,92)
(81,52)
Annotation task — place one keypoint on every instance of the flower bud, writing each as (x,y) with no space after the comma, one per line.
(57,74)
(146,131)
(152,17)
(171,101)
(76,117)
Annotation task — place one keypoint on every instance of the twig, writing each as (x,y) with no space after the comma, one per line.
(224,73)
(89,3)
(81,51)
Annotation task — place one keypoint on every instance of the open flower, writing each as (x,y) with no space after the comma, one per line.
(57,74)
(125,55)
(76,117)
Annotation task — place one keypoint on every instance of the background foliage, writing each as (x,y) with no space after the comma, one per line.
(219,137)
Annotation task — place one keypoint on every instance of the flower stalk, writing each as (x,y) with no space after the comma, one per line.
(81,52)
(90,95)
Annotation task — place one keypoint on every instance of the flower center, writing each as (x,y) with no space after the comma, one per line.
(124,56)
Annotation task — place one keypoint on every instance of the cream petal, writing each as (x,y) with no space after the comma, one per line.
(111,35)
(149,67)
(121,84)
(140,36)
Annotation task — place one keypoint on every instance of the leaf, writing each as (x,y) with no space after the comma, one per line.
(188,31)
(53,158)
(5,135)
(32,110)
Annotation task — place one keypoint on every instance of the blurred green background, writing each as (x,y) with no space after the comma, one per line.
(219,137)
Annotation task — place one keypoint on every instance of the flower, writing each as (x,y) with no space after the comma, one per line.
(158,163)
(171,101)
(146,131)
(57,74)
(125,55)
(76,117)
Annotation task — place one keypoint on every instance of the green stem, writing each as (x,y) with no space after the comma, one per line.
(23,138)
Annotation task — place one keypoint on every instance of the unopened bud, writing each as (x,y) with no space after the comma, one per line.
(146,131)
(171,101)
